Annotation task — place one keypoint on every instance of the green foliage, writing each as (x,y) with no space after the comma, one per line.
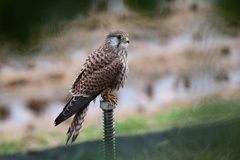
(151,8)
(229,9)
(22,21)
(144,6)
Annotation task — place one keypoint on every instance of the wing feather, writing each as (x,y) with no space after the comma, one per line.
(75,104)
(98,73)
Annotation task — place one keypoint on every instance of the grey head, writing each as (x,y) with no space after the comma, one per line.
(117,39)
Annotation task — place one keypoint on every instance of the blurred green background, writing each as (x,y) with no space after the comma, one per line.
(184,60)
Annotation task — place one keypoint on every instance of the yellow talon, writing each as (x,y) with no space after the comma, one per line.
(111,98)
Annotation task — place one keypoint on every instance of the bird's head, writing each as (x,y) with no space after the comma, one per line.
(117,39)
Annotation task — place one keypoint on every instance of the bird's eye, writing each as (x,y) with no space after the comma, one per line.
(119,36)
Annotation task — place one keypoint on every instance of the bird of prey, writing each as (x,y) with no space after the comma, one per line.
(104,71)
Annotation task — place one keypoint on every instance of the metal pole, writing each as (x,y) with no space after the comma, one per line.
(108,130)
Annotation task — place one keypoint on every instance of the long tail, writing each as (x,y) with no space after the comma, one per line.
(77,105)
(76,125)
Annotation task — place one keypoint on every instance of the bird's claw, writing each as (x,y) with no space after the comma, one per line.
(111,98)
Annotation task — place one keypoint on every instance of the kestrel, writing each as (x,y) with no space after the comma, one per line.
(104,71)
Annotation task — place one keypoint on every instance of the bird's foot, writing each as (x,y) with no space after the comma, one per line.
(111,98)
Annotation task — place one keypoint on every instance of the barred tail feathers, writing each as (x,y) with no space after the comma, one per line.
(76,125)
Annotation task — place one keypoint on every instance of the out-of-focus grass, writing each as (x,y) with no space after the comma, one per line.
(206,112)
(35,140)
(9,147)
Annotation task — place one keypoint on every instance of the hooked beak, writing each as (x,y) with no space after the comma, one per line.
(126,40)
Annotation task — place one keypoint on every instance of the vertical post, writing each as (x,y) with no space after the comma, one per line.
(108,130)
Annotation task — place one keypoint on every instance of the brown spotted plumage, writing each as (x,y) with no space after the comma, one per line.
(104,71)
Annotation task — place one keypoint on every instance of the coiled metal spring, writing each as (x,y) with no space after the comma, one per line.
(108,135)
